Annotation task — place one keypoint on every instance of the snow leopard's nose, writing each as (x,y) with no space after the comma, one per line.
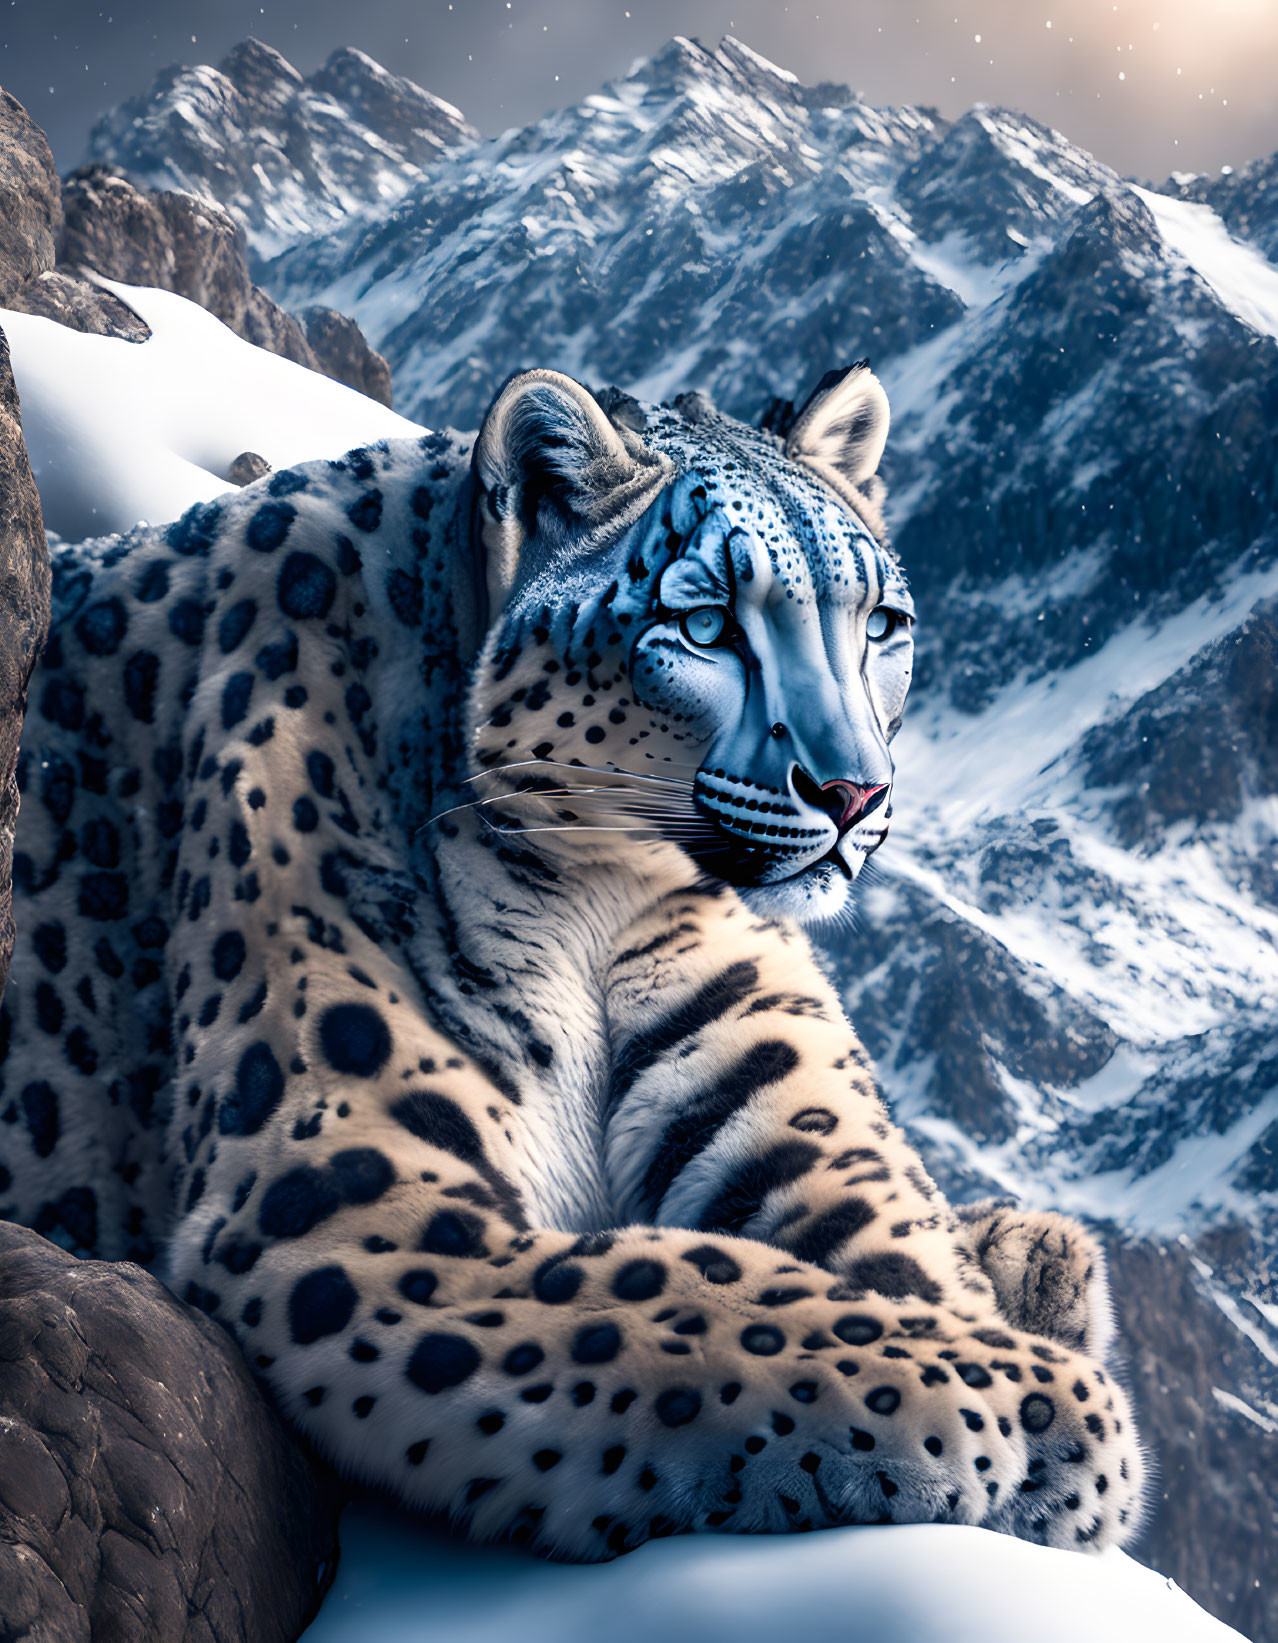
(846,803)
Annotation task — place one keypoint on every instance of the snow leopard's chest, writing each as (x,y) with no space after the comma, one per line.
(508,960)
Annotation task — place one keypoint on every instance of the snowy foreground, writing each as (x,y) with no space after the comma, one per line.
(123,431)
(398,1583)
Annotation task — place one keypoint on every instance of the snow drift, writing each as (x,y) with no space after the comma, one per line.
(398,1583)
(120,431)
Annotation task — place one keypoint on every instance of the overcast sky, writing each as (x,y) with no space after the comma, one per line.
(1149,87)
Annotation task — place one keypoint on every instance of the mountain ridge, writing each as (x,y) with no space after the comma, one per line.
(283,152)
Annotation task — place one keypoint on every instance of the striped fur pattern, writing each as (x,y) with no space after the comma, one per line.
(410,876)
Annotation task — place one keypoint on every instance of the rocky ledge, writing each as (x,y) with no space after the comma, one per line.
(24,620)
(56,236)
(147,1490)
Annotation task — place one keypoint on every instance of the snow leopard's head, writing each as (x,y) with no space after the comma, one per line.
(698,633)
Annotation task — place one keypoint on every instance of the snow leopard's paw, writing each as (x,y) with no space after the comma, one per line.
(1048,1273)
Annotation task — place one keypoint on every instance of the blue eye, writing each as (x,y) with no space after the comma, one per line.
(881,623)
(707,625)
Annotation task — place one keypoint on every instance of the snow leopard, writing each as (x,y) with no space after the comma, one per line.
(415,857)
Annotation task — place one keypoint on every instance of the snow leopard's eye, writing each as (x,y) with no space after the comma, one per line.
(707,625)
(882,623)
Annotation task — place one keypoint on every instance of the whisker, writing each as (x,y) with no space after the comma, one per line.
(679,764)
(581,769)
(574,828)
(621,799)
(576,793)
(610,799)
(688,830)
(673,827)
(566,792)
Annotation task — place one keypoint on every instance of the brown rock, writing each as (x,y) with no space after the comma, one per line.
(181,243)
(342,353)
(30,212)
(147,1489)
(247,467)
(59,294)
(115,229)
(268,326)
(208,263)
(99,222)
(24,621)
(174,242)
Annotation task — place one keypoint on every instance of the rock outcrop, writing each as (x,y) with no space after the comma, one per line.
(24,621)
(343,353)
(54,237)
(80,305)
(247,467)
(30,205)
(147,1490)
(177,242)
(31,222)
(172,242)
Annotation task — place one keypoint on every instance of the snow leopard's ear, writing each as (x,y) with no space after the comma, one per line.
(554,475)
(840,432)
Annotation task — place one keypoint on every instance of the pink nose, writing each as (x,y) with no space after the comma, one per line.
(855,800)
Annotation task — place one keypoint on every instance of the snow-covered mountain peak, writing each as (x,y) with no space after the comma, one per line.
(286,155)
(999,178)
(736,51)
(258,71)
(387,103)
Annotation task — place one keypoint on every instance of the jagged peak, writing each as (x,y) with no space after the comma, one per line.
(252,65)
(737,52)
(673,62)
(1116,213)
(357,61)
(350,73)
(1113,230)
(685,58)
(688,46)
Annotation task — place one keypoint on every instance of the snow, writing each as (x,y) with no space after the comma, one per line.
(1021,145)
(1228,1401)
(945,758)
(119,431)
(762,63)
(1244,280)
(1198,1171)
(949,262)
(399,1582)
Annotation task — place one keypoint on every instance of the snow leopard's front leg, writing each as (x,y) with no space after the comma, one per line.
(1049,1273)
(353,1213)
(742,1103)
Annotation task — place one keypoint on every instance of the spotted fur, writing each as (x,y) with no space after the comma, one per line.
(410,872)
